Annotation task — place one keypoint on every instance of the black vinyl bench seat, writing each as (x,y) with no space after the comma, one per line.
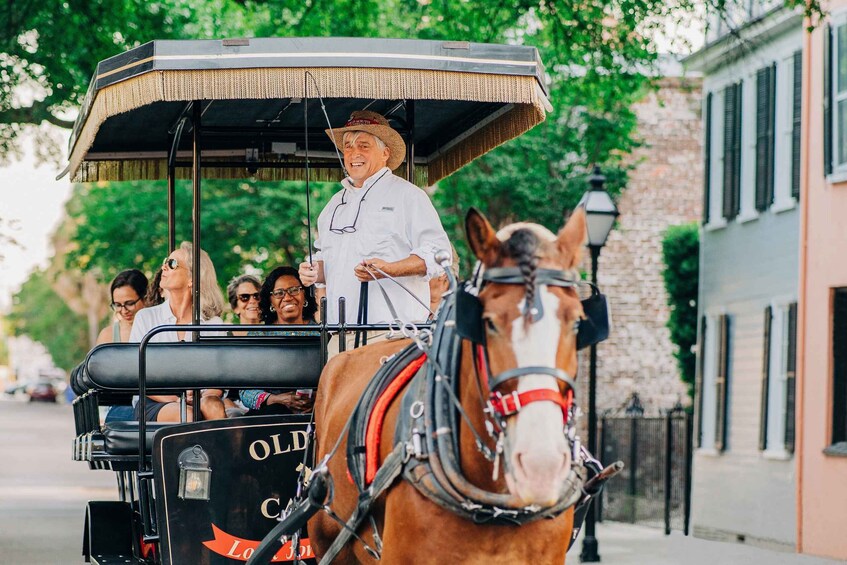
(110,375)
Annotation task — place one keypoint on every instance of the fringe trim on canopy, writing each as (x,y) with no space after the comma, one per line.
(391,84)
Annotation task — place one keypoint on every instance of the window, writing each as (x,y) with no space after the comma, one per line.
(835,96)
(778,370)
(839,366)
(765,136)
(713,386)
(732,150)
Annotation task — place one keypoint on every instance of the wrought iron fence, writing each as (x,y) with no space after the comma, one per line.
(655,486)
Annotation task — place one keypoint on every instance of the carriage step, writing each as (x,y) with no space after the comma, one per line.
(107,537)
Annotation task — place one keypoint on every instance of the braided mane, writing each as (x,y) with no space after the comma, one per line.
(522,246)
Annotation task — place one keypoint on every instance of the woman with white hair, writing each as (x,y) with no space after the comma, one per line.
(177,281)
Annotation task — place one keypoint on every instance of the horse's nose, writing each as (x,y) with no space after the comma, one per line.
(541,459)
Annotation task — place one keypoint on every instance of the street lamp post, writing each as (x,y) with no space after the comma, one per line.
(600,216)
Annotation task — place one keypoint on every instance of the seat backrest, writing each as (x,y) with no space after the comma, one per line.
(283,362)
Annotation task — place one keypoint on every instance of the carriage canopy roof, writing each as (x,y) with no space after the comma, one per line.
(464,99)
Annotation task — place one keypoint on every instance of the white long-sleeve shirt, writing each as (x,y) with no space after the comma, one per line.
(395,219)
(148,318)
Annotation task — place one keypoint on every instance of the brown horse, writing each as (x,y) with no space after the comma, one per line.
(537,452)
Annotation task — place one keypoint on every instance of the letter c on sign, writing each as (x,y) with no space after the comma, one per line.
(266,511)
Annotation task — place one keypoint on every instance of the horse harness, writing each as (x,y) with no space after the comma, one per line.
(426,451)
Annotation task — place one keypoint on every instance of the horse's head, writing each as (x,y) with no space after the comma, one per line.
(531,313)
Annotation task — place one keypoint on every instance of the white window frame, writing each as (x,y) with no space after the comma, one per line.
(716,219)
(747,209)
(784,128)
(709,400)
(838,169)
(777,380)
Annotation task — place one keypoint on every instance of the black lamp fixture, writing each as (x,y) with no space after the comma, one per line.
(600,210)
(600,216)
(195,475)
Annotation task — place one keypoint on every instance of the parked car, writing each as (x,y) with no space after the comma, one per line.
(42,391)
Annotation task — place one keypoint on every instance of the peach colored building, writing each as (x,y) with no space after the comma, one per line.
(821,450)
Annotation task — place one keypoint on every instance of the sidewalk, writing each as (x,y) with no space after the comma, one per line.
(626,544)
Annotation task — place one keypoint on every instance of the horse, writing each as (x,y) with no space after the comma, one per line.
(536,451)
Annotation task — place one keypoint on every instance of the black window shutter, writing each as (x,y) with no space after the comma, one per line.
(797,99)
(730,144)
(766,369)
(790,372)
(722,384)
(707,172)
(736,186)
(827,100)
(765,83)
(698,381)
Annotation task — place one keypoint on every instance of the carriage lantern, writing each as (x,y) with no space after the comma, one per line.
(195,475)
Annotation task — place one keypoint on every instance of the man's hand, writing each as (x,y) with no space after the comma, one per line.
(308,273)
(361,270)
(292,400)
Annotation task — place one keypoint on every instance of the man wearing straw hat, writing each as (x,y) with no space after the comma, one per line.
(377,223)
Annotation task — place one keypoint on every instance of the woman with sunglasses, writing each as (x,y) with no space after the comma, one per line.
(243,294)
(283,301)
(127,291)
(177,282)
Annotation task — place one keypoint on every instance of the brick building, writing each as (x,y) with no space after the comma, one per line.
(664,189)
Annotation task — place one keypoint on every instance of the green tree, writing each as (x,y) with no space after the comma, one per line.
(680,254)
(37,311)
(245,224)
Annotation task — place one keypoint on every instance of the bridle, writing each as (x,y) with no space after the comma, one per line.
(500,406)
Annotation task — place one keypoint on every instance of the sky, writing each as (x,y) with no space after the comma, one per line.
(31,196)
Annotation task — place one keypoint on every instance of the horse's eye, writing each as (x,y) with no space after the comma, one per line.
(490,325)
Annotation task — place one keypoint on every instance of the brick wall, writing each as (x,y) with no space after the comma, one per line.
(664,189)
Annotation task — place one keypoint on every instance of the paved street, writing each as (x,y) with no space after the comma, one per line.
(624,544)
(42,492)
(43,495)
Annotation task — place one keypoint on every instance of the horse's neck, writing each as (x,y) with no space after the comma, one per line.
(476,468)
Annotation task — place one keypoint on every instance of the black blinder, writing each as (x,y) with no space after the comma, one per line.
(595,327)
(469,316)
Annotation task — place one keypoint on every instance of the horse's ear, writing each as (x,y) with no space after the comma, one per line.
(481,236)
(571,238)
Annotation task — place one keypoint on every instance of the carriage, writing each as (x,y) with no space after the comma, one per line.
(209,491)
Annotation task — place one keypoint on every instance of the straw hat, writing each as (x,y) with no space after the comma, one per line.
(376,125)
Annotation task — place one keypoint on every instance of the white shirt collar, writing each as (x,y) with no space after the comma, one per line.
(348,182)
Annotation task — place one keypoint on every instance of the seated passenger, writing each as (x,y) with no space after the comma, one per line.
(243,294)
(127,291)
(177,309)
(283,302)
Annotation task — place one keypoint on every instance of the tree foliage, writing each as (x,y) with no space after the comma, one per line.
(246,225)
(40,313)
(681,257)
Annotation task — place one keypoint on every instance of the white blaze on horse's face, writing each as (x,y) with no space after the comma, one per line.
(539,453)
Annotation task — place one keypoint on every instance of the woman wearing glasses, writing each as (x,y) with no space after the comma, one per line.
(127,292)
(284,301)
(177,309)
(243,294)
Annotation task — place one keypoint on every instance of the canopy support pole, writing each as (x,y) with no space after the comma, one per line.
(176,137)
(195,213)
(410,141)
